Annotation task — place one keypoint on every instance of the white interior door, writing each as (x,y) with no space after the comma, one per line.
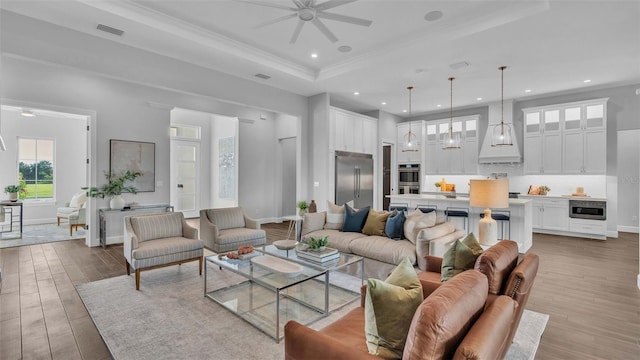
(185,169)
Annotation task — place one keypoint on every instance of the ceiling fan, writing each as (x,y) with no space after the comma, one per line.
(309,11)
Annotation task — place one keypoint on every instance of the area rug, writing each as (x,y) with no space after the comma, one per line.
(169,318)
(40,234)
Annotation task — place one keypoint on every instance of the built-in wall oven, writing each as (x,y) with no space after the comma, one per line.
(588,209)
(409,179)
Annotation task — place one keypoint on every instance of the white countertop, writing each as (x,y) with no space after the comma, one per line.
(568,197)
(518,201)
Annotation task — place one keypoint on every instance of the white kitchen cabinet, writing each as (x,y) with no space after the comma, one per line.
(432,149)
(568,138)
(591,227)
(410,157)
(550,214)
(585,138)
(542,142)
(352,132)
(452,161)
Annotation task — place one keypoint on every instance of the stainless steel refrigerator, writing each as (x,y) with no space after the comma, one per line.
(354,179)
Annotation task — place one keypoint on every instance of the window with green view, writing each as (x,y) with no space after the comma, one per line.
(36,167)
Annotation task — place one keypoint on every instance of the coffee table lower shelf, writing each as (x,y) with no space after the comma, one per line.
(269,300)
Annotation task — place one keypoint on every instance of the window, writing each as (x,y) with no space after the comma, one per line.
(36,167)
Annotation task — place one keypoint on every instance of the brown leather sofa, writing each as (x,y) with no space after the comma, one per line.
(451,323)
(504,274)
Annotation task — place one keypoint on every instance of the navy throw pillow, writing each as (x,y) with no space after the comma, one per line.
(395,225)
(354,220)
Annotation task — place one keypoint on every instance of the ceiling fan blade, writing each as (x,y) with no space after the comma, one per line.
(331,4)
(325,30)
(261,3)
(344,18)
(299,4)
(282,18)
(296,32)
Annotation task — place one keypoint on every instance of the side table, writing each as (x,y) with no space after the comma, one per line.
(293,226)
(13,215)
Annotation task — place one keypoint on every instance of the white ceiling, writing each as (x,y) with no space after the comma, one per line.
(548,46)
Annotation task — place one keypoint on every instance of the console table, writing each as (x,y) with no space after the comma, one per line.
(13,215)
(112,221)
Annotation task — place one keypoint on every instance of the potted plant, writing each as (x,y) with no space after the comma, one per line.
(302,206)
(116,185)
(318,244)
(13,191)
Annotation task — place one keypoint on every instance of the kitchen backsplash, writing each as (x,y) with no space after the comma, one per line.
(594,185)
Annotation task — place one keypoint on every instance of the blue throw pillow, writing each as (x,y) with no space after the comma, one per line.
(395,225)
(354,220)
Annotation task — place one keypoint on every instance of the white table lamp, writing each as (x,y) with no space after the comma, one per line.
(488,194)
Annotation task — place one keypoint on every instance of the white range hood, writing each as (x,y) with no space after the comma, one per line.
(500,154)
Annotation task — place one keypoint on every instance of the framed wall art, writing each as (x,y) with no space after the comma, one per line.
(135,156)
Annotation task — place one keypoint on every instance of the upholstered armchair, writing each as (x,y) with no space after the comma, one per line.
(72,207)
(227,229)
(76,219)
(158,240)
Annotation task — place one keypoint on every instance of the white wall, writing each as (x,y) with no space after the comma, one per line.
(320,156)
(629,160)
(70,156)
(50,65)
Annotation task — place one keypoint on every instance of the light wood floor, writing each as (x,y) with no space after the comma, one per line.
(587,286)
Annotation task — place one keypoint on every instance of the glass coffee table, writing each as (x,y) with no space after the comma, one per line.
(267,298)
(345,275)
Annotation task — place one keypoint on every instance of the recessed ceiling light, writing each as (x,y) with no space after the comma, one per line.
(433,15)
(587,81)
(344,48)
(405,110)
(479,99)
(439,105)
(528,91)
(384,103)
(314,55)
(356,93)
(27,113)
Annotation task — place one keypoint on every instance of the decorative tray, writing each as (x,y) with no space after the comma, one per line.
(278,265)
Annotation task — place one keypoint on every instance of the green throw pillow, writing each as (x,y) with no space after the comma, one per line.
(376,220)
(389,308)
(460,257)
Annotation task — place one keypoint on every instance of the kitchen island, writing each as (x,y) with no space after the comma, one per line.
(520,213)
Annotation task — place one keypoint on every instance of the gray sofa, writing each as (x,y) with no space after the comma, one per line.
(381,253)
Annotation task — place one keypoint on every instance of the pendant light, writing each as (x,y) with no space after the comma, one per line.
(502,132)
(410,144)
(451,140)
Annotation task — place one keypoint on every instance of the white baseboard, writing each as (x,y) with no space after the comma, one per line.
(269,220)
(612,234)
(629,229)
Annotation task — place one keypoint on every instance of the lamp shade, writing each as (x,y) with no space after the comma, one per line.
(489,193)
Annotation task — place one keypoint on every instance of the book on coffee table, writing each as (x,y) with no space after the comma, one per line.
(327,254)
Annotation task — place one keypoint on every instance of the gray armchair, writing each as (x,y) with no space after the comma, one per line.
(227,229)
(158,240)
